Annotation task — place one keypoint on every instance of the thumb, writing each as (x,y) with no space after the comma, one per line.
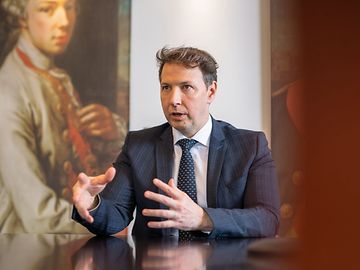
(110,173)
(104,179)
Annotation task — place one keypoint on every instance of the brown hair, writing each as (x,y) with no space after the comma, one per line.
(190,58)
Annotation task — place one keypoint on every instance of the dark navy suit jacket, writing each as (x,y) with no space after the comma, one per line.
(242,187)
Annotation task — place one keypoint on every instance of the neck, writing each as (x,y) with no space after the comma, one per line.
(37,57)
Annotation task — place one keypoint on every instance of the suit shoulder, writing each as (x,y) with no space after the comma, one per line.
(229,130)
(243,141)
(149,133)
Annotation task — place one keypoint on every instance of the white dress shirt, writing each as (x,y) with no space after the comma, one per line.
(199,153)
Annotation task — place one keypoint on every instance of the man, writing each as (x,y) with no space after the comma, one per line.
(236,185)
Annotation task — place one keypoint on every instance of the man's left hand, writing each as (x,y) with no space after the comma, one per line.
(183,213)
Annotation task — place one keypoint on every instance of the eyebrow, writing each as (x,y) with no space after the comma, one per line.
(184,82)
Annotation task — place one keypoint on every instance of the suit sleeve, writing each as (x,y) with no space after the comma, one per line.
(259,216)
(117,201)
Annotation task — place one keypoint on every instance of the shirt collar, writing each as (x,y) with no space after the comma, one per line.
(37,58)
(202,136)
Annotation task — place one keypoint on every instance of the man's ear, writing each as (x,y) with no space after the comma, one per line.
(212,89)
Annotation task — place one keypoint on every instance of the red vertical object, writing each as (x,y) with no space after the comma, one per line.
(331,64)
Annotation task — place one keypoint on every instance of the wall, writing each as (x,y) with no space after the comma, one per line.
(235,32)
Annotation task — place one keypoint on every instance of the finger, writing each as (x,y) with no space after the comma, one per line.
(88,109)
(171,183)
(89,118)
(84,213)
(95,125)
(156,252)
(168,189)
(159,263)
(76,193)
(99,130)
(89,218)
(93,112)
(104,179)
(169,214)
(100,124)
(162,224)
(83,179)
(169,202)
(80,186)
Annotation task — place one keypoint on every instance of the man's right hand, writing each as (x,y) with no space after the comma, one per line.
(85,190)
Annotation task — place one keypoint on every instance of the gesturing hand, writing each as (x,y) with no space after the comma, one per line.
(183,212)
(85,190)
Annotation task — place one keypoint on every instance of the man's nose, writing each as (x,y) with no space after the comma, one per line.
(175,96)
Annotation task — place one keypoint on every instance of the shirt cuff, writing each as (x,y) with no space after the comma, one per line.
(97,203)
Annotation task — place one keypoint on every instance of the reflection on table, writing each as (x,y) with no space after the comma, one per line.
(85,252)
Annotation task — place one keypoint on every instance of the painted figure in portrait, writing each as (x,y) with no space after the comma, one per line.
(51,127)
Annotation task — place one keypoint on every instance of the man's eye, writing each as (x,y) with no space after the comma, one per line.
(165,87)
(187,87)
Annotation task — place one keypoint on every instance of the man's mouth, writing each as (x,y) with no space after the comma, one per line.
(177,114)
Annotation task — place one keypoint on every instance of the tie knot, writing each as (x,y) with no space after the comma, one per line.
(186,144)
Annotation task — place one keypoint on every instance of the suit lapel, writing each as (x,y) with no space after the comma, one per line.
(164,156)
(163,159)
(217,151)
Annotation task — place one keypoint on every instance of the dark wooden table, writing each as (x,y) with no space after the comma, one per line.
(85,252)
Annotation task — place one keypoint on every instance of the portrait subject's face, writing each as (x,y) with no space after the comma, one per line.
(185,98)
(49,24)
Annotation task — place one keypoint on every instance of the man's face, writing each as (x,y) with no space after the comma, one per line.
(185,98)
(49,24)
